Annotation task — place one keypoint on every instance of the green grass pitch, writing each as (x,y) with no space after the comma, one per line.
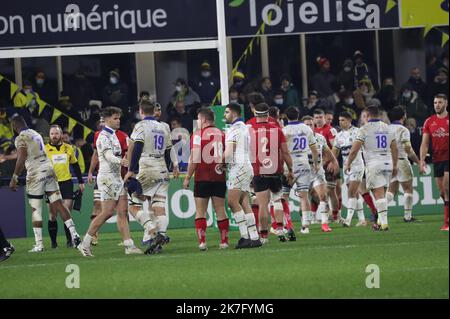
(413,261)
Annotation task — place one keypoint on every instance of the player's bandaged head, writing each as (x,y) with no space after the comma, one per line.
(262,110)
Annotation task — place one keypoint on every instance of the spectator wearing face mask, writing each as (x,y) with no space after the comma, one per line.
(183,92)
(413,104)
(346,78)
(291,96)
(388,95)
(115,92)
(278,101)
(46,88)
(206,85)
(346,104)
(417,83)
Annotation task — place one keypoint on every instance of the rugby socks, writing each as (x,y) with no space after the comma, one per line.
(382,208)
(352,203)
(71,226)
(224,229)
(200,227)
(3,242)
(38,235)
(53,230)
(446,213)
(369,201)
(163,223)
(272,216)
(87,240)
(360,209)
(306,218)
(251,226)
(255,209)
(129,243)
(322,212)
(408,206)
(340,203)
(287,215)
(68,235)
(143,218)
(240,219)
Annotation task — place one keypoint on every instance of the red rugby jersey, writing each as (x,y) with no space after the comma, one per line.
(438,130)
(328,132)
(266,140)
(208,145)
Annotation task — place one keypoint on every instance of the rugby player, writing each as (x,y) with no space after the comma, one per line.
(206,162)
(436,130)
(381,157)
(40,181)
(405,175)
(240,176)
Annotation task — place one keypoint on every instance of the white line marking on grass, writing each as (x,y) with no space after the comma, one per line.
(271,250)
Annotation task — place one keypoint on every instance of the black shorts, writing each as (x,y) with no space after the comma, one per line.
(440,168)
(66,190)
(273,183)
(210,189)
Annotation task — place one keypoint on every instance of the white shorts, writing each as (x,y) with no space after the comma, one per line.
(154,178)
(356,174)
(41,181)
(318,178)
(240,178)
(378,175)
(110,187)
(303,176)
(405,172)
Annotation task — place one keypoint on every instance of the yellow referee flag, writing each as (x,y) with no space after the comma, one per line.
(72,124)
(56,115)
(86,132)
(14,88)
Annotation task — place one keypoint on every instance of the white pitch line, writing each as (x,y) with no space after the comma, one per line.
(184,255)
